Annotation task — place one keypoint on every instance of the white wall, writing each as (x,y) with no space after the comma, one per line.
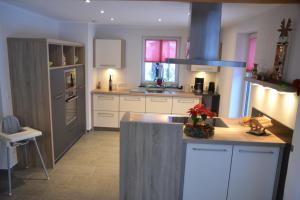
(281,107)
(133,35)
(16,22)
(84,33)
(292,187)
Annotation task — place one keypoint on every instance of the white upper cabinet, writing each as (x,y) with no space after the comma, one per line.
(204,68)
(253,173)
(109,53)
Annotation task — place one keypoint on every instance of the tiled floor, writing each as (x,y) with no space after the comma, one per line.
(88,171)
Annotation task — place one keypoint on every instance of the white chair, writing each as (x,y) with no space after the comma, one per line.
(17,139)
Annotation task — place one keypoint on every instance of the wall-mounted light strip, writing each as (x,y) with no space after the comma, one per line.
(280,88)
(273,89)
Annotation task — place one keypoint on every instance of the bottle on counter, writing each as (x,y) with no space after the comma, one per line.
(110,83)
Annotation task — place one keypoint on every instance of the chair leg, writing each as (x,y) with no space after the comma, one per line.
(26,156)
(9,171)
(41,158)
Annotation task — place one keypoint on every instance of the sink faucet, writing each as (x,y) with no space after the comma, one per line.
(159,74)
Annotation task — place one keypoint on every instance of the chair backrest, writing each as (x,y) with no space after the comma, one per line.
(10,125)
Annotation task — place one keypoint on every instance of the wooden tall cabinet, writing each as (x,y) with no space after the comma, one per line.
(38,92)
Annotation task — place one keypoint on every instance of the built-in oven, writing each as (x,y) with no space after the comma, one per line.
(71,109)
(71,98)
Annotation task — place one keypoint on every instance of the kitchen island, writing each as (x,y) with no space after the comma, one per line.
(158,161)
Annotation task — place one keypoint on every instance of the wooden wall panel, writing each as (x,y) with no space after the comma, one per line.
(28,65)
(150,161)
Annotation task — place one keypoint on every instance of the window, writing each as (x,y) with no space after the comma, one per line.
(156,52)
(249,68)
(251,54)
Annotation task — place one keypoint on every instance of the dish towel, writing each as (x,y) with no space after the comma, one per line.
(10,125)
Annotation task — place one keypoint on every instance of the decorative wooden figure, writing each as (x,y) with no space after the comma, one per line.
(281,49)
(258,125)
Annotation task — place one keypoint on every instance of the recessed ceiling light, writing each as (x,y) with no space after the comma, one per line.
(87,1)
(112,19)
(102,11)
(159,20)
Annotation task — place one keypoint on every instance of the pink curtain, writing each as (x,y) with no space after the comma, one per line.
(168,49)
(251,54)
(152,51)
(160,50)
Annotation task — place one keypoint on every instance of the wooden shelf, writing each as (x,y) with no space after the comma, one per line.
(280,86)
(68,55)
(62,54)
(65,66)
(79,55)
(55,54)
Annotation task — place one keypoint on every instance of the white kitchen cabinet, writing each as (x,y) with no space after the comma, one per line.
(107,119)
(207,171)
(161,105)
(182,105)
(132,103)
(204,68)
(253,173)
(106,102)
(108,53)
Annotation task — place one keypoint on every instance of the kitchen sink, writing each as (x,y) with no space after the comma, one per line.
(156,90)
(216,122)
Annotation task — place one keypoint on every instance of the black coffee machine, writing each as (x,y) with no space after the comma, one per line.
(198,87)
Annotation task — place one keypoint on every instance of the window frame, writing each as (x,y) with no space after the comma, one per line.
(144,38)
(247,91)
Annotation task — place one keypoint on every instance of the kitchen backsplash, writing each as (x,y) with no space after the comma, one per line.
(122,79)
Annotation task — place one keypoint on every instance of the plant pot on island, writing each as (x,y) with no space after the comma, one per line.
(198,126)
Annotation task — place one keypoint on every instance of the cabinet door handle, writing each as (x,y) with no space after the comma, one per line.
(205,149)
(252,151)
(72,99)
(105,98)
(107,65)
(185,101)
(158,100)
(132,99)
(105,114)
(59,96)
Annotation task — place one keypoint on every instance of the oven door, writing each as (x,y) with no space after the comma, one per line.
(71,109)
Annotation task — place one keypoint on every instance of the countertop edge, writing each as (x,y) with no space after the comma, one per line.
(127,92)
(228,142)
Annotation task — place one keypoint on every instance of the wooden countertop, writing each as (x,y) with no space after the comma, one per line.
(235,134)
(142,93)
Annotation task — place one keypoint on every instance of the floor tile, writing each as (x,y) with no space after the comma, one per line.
(88,171)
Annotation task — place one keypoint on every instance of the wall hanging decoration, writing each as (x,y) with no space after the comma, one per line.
(281,49)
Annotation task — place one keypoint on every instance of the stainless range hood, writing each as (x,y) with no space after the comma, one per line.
(205,31)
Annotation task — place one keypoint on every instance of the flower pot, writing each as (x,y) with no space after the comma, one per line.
(199,130)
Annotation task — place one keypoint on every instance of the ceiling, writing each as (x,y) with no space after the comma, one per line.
(145,13)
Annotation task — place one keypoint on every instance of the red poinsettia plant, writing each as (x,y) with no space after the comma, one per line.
(199,113)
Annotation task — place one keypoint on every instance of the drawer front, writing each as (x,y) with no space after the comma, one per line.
(106,102)
(182,105)
(159,105)
(106,119)
(132,103)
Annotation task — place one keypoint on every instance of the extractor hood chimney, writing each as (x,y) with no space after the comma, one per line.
(205,31)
